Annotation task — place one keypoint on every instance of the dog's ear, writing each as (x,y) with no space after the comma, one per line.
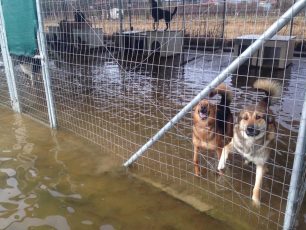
(212,93)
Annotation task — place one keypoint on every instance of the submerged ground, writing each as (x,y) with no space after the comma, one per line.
(54,180)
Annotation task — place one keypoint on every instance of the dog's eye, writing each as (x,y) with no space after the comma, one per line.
(258,117)
(245,117)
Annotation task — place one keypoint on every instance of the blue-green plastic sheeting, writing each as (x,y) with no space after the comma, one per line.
(21,25)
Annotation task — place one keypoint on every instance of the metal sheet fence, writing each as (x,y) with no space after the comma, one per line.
(116,82)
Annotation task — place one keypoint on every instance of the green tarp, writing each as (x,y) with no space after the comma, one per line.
(21,25)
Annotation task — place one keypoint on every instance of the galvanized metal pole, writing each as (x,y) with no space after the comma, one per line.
(66,9)
(184,19)
(291,24)
(121,42)
(278,25)
(120,15)
(8,65)
(292,200)
(130,16)
(45,68)
(223,20)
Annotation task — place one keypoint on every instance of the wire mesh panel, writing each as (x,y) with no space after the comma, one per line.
(4,93)
(118,76)
(30,87)
(301,210)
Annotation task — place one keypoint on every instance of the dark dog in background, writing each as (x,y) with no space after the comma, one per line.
(79,16)
(212,125)
(158,14)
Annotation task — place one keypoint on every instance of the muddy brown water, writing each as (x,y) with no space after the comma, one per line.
(53,180)
(120,104)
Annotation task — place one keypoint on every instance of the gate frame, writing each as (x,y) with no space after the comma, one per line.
(297,172)
(8,65)
(45,68)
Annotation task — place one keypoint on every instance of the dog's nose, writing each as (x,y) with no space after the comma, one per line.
(203,109)
(252,131)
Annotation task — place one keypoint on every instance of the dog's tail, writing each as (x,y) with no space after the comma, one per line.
(271,88)
(225,92)
(174,12)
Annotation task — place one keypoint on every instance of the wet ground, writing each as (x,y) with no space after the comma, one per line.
(53,180)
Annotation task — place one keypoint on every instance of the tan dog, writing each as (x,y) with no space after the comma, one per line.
(254,134)
(212,125)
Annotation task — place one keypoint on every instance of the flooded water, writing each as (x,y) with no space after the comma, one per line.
(54,180)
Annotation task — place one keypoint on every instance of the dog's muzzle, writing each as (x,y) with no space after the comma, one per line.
(203,112)
(251,131)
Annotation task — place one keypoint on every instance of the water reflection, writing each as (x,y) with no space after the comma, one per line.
(20,194)
(56,222)
(51,179)
(13,202)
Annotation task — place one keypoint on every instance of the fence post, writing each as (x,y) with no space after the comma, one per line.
(8,65)
(291,24)
(130,16)
(120,15)
(268,34)
(45,68)
(297,170)
(223,20)
(121,42)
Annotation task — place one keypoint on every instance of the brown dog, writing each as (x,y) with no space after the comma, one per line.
(212,125)
(254,133)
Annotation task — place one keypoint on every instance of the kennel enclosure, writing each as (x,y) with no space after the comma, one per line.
(119,100)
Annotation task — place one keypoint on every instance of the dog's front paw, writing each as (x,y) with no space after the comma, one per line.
(196,170)
(221,165)
(221,173)
(255,202)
